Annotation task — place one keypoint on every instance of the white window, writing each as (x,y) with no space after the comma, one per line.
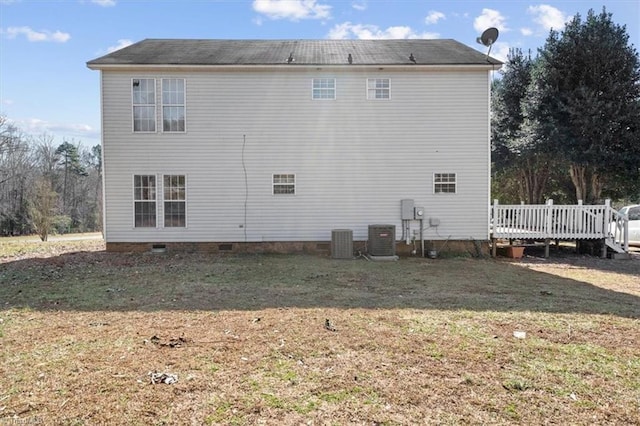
(378,88)
(324,88)
(444,183)
(144,104)
(173,110)
(284,184)
(175,204)
(144,201)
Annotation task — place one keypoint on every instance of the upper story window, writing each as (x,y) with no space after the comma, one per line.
(144,104)
(144,201)
(284,184)
(173,105)
(378,88)
(324,88)
(444,183)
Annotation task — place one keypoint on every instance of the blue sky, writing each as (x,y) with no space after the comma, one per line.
(45,85)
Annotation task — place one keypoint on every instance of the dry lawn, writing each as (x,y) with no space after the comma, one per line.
(412,342)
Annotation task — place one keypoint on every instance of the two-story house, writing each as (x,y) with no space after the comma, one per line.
(269,145)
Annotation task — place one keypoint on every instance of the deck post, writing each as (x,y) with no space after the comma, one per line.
(548,224)
(547,241)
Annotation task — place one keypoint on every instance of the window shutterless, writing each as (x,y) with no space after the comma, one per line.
(143,97)
(144,201)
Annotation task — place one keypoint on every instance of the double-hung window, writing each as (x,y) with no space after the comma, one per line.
(444,183)
(144,104)
(144,200)
(173,105)
(175,196)
(284,184)
(378,88)
(324,89)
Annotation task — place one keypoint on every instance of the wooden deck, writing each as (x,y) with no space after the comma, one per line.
(560,222)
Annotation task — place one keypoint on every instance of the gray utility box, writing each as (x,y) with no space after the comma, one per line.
(382,240)
(406,209)
(342,244)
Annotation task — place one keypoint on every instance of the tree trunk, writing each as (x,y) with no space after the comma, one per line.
(578,177)
(533,181)
(596,187)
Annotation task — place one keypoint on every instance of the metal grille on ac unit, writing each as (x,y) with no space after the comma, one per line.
(342,244)
(382,240)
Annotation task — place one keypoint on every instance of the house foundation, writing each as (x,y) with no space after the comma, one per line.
(475,248)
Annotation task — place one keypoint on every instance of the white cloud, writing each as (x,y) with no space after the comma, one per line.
(121,44)
(104,3)
(359,5)
(548,17)
(348,30)
(526,31)
(292,9)
(500,51)
(7,102)
(31,35)
(36,126)
(433,17)
(490,18)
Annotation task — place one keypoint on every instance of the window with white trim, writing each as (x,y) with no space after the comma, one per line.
(444,183)
(175,204)
(144,201)
(143,96)
(284,184)
(324,89)
(173,105)
(378,88)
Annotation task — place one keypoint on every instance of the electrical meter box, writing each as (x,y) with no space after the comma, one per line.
(418,213)
(406,209)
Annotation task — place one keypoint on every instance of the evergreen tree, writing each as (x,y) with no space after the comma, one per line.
(585,104)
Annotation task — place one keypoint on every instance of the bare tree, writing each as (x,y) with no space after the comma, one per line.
(42,208)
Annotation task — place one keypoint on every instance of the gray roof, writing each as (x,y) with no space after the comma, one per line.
(301,52)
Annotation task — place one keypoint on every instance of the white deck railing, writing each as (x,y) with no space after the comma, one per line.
(549,221)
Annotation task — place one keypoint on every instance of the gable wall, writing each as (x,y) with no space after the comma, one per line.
(354,159)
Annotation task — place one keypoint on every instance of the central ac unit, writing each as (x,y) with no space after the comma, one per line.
(342,244)
(382,240)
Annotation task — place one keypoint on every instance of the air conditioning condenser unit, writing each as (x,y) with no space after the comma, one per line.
(382,240)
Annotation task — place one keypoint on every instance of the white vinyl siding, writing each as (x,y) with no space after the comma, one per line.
(173,105)
(323,89)
(143,95)
(378,88)
(359,158)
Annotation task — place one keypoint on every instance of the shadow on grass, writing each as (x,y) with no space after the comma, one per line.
(88,281)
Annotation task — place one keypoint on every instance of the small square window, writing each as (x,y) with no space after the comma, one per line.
(324,89)
(378,88)
(284,184)
(444,183)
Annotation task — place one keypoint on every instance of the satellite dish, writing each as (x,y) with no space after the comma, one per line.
(488,37)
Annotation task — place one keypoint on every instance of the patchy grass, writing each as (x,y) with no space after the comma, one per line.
(416,341)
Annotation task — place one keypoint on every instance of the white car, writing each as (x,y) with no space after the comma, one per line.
(633,212)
